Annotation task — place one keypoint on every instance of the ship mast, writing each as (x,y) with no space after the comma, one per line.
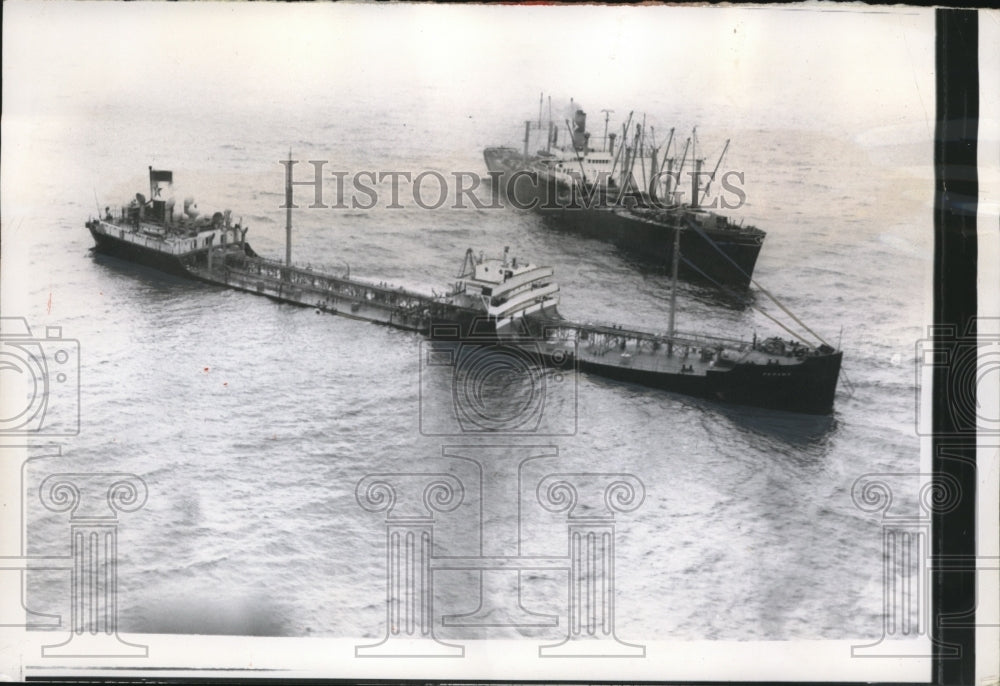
(548,141)
(694,183)
(607,117)
(673,289)
(666,156)
(680,169)
(622,144)
(717,164)
(642,149)
(666,151)
(527,134)
(697,167)
(288,212)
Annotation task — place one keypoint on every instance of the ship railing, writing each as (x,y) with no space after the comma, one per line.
(172,246)
(321,285)
(516,281)
(694,340)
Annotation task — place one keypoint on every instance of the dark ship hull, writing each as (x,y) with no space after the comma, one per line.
(712,250)
(108,244)
(772,374)
(808,388)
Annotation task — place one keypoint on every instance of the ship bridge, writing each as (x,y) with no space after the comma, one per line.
(507,288)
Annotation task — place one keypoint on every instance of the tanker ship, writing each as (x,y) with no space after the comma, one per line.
(629,194)
(213,249)
(503,299)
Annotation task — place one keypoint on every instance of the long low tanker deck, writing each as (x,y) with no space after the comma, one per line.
(232,268)
(682,353)
(771,373)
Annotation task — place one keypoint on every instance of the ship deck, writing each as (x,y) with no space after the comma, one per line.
(338,295)
(683,353)
(154,237)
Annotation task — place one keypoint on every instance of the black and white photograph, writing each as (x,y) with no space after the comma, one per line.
(489,342)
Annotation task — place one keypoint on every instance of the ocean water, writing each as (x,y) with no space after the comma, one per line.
(252,422)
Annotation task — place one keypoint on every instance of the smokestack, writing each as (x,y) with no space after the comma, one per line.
(159,188)
(159,183)
(580,130)
(611,143)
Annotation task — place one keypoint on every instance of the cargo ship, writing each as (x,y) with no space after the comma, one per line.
(631,195)
(500,299)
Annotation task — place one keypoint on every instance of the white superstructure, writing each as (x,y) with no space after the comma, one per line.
(506,288)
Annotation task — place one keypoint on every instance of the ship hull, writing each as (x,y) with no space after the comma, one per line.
(713,257)
(709,254)
(108,244)
(807,388)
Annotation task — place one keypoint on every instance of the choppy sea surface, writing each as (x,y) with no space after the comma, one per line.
(252,422)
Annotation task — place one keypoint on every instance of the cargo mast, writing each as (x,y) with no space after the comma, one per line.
(673,289)
(288,212)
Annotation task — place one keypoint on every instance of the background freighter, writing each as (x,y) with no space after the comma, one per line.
(631,195)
